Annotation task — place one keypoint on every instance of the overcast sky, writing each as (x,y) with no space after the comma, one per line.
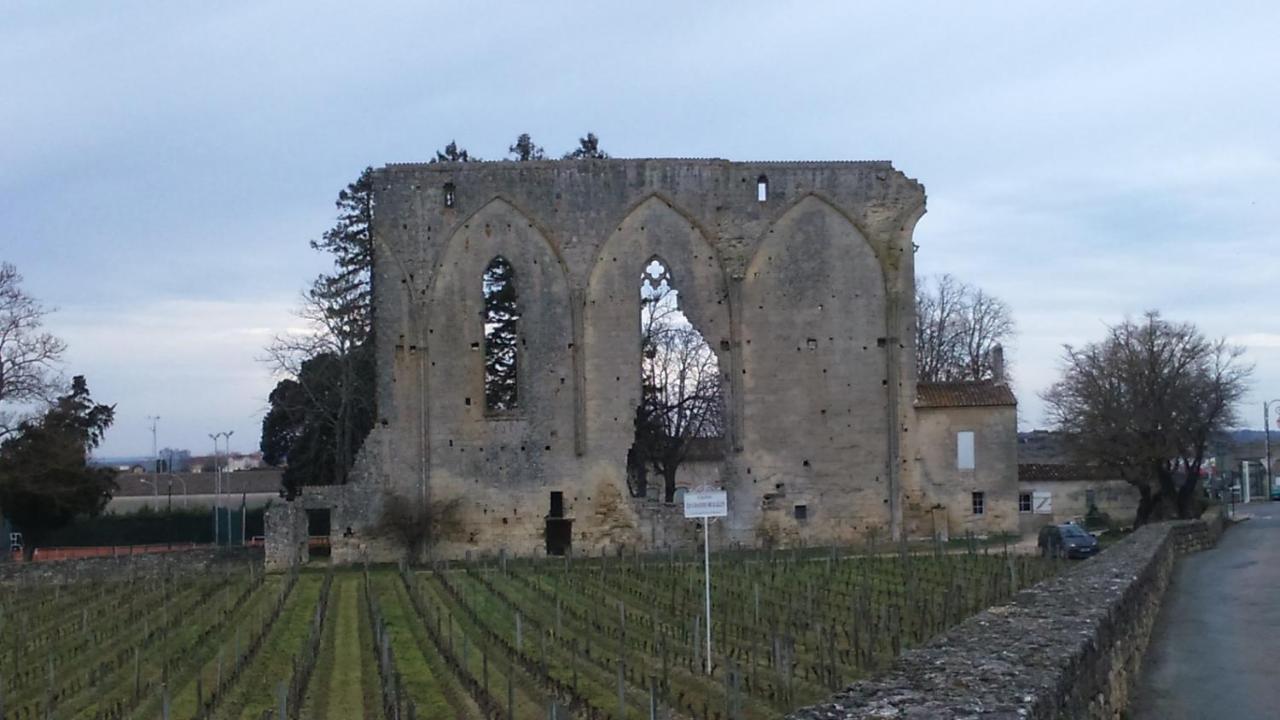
(163,165)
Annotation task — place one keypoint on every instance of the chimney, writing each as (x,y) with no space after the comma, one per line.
(997,363)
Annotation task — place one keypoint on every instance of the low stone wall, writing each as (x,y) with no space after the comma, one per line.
(126,567)
(1069,647)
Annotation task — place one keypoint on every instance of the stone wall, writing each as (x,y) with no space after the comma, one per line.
(803,295)
(1069,647)
(1117,498)
(940,484)
(124,567)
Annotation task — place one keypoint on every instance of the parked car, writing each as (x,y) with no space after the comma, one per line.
(1068,541)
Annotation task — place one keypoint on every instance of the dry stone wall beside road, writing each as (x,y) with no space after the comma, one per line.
(1069,647)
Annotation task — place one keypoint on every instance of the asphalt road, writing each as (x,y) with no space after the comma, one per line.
(1215,651)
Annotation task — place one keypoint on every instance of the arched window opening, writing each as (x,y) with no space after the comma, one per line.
(501,337)
(762,188)
(448,195)
(681,412)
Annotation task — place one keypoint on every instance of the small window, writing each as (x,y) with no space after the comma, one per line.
(1024,502)
(557,504)
(762,188)
(979,503)
(802,512)
(964,450)
(448,195)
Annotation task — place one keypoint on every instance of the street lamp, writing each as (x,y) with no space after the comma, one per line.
(216,480)
(155,459)
(173,477)
(1266,430)
(222,479)
(155,490)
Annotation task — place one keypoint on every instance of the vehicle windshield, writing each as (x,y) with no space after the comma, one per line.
(1073,531)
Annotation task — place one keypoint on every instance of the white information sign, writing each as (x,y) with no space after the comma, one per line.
(706,503)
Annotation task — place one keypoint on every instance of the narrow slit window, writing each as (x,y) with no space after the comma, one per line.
(449,195)
(501,336)
(762,188)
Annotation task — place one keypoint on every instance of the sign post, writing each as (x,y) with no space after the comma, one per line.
(706,503)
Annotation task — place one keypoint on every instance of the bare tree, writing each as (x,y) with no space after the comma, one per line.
(1145,402)
(322,409)
(681,395)
(29,357)
(327,383)
(958,327)
(416,527)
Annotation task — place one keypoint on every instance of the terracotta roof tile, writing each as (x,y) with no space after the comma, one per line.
(1055,471)
(983,393)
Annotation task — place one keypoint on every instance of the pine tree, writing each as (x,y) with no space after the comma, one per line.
(501,338)
(453,153)
(525,149)
(45,478)
(588,149)
(321,413)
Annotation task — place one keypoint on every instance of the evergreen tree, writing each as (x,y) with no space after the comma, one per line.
(453,153)
(501,339)
(588,149)
(45,479)
(525,149)
(321,413)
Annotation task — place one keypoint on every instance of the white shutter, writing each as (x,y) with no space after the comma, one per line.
(1042,502)
(964,450)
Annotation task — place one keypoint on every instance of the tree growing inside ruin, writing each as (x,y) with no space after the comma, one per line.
(1146,402)
(588,149)
(45,477)
(525,149)
(416,527)
(29,356)
(501,336)
(323,407)
(453,153)
(681,397)
(958,328)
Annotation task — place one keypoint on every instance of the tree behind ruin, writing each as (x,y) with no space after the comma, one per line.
(958,328)
(681,399)
(29,356)
(323,408)
(1145,402)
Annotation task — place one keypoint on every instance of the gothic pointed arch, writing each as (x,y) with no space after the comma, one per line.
(814,333)
(652,228)
(535,346)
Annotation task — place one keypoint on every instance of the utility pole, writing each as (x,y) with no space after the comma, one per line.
(155,459)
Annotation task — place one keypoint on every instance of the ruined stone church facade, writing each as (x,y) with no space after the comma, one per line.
(799,275)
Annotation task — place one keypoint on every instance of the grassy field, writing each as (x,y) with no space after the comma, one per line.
(589,638)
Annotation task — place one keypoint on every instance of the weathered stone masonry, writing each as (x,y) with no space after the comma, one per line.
(1069,647)
(805,296)
(799,295)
